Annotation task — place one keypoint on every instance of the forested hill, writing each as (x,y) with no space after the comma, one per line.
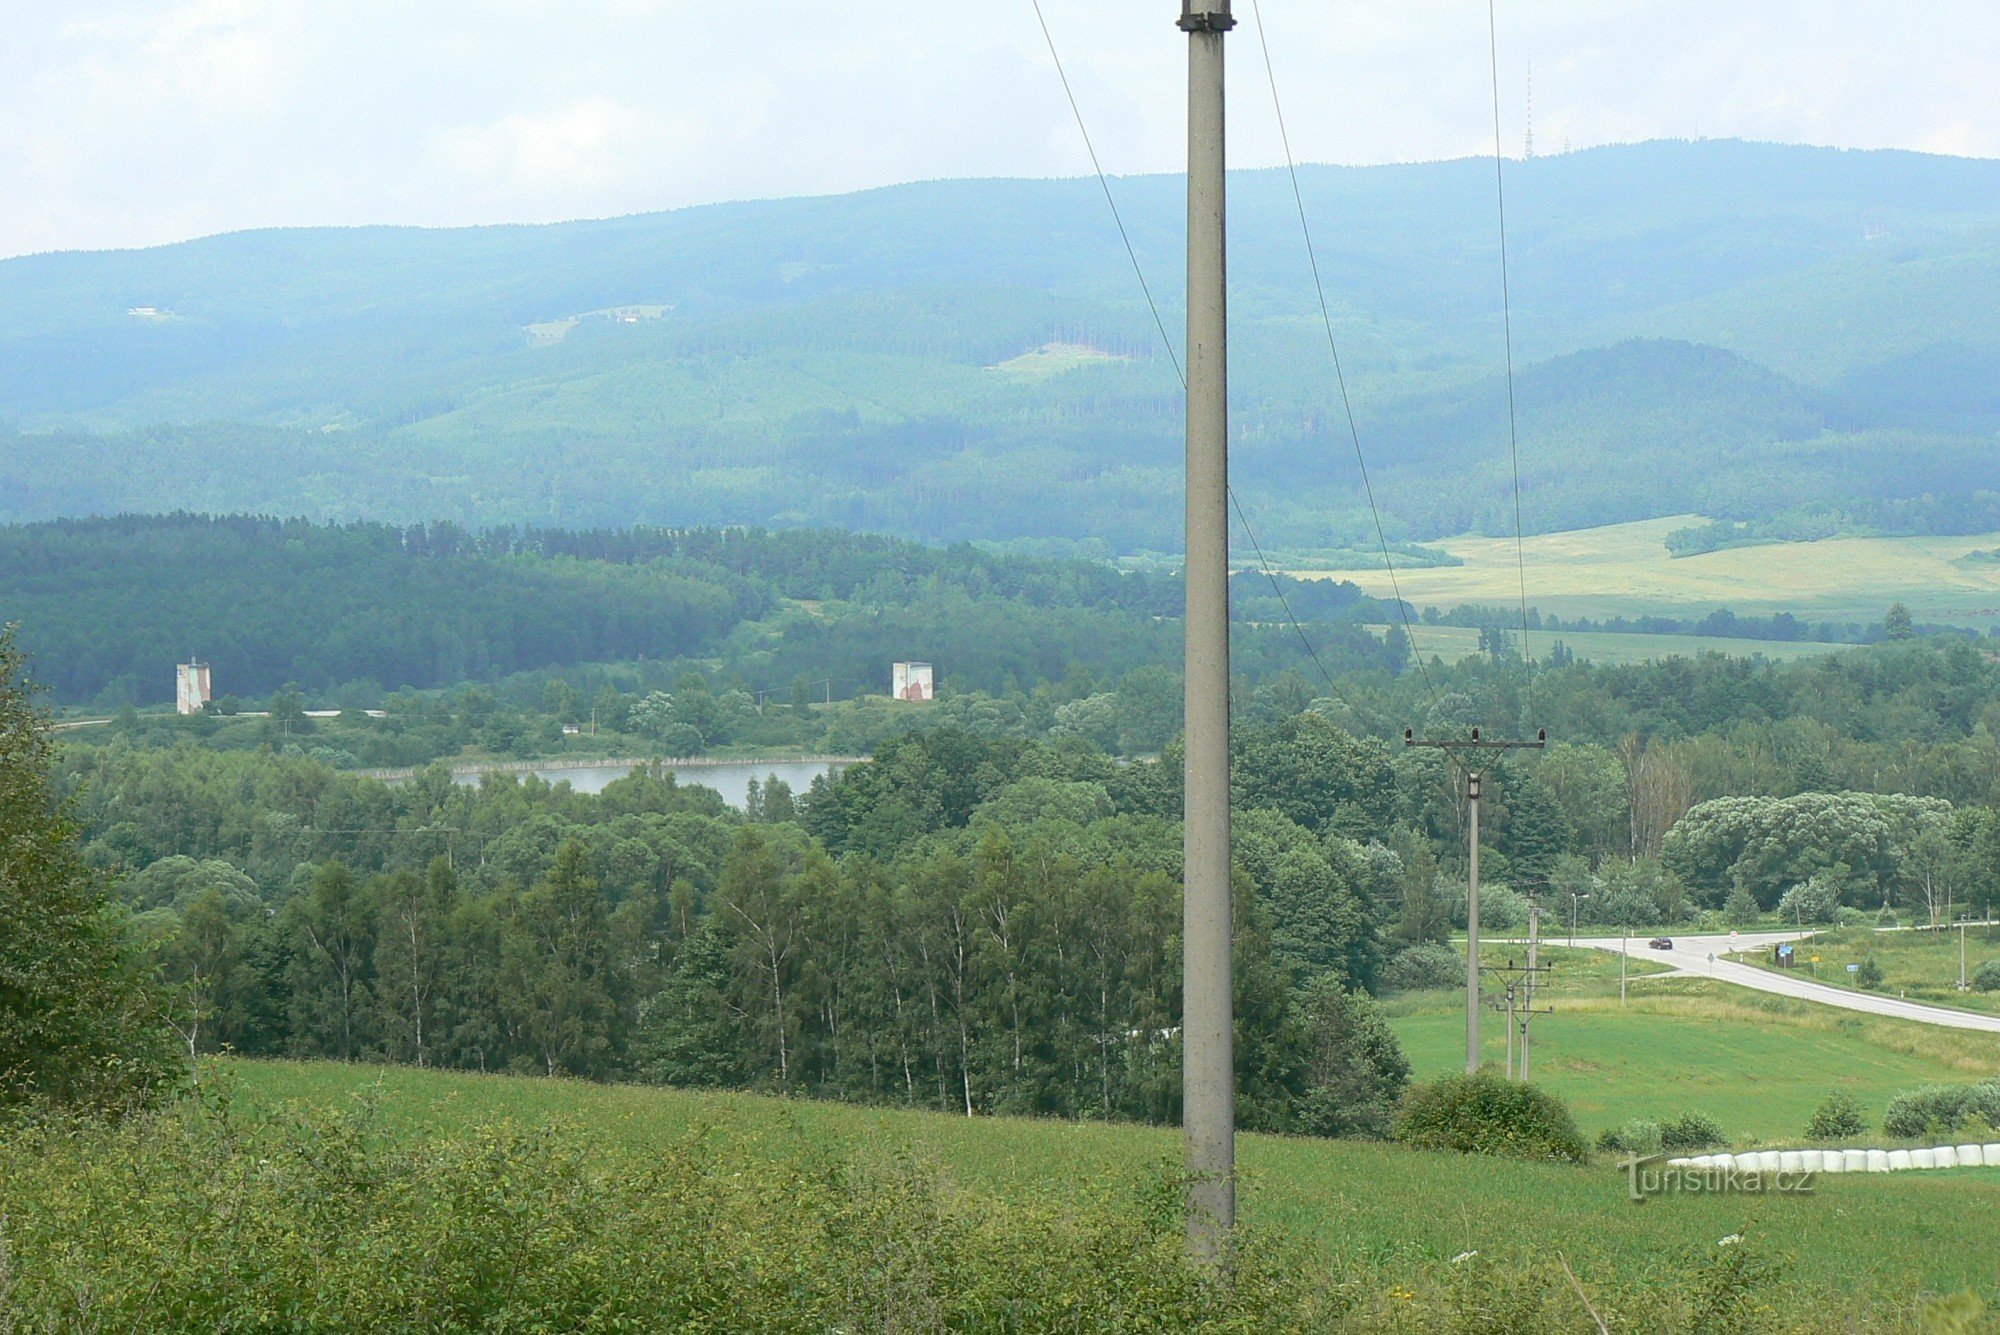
(107,607)
(1714,327)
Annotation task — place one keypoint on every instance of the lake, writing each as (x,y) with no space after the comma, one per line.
(731,778)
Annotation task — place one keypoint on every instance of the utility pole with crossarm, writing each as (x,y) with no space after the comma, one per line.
(1451,746)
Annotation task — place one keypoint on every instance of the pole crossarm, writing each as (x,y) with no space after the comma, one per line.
(1206,16)
(1475,742)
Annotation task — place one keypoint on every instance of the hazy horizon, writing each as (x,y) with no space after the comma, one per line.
(139,124)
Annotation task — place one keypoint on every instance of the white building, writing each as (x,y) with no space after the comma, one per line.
(190,688)
(912,681)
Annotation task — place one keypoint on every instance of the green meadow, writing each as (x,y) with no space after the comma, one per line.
(1757,1064)
(1381,1216)
(1626,570)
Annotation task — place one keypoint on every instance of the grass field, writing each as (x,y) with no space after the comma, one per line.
(1389,1213)
(1614,648)
(1757,1064)
(1922,966)
(1625,569)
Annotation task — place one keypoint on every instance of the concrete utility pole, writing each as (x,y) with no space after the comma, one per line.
(1475,743)
(1472,932)
(1208,1070)
(1534,941)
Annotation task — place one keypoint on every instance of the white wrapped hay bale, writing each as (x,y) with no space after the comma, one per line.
(1923,1159)
(1971,1156)
(1854,1161)
(1945,1156)
(1878,1161)
(1898,1160)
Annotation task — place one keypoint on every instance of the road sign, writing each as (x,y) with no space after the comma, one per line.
(1854,968)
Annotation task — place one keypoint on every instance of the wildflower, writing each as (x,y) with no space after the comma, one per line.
(1464,1256)
(1729,1241)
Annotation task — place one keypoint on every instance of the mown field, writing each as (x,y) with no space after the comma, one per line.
(1373,1214)
(1615,648)
(1625,569)
(1757,1064)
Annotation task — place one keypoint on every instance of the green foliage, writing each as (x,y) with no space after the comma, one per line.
(1691,1131)
(1869,975)
(1942,1109)
(1986,978)
(199,1218)
(1839,1118)
(1426,965)
(1488,1114)
(79,1023)
(1638,1136)
(1354,1070)
(1740,909)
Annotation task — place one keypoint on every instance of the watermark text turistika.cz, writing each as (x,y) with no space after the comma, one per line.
(1651,1175)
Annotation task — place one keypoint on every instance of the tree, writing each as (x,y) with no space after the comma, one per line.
(1352,1070)
(79,1022)
(331,926)
(558,969)
(1898,624)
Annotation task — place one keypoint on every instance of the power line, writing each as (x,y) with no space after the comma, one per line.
(1333,348)
(1139,272)
(1507,325)
(1105,185)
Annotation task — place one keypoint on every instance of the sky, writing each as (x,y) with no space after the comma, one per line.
(136,123)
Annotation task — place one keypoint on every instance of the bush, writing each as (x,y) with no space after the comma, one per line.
(1423,966)
(1487,1114)
(1636,1136)
(1850,916)
(1740,909)
(1691,1131)
(1816,900)
(1887,918)
(1838,1118)
(1869,975)
(1986,978)
(1934,1110)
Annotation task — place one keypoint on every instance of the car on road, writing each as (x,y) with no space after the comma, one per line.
(1660,943)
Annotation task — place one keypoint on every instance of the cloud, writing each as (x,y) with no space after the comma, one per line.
(138,121)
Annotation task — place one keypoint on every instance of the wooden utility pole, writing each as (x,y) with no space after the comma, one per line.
(1208,1069)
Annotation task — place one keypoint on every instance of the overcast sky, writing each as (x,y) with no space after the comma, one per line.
(129,123)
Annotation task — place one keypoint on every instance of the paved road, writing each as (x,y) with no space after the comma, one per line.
(1702,956)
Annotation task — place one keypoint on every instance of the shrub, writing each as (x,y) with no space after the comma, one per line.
(1816,900)
(1986,978)
(1487,1114)
(1869,975)
(1850,916)
(1740,909)
(1932,1110)
(1887,917)
(1423,966)
(1691,1131)
(1635,1136)
(1838,1118)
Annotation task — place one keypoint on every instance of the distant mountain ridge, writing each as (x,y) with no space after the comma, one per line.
(1721,327)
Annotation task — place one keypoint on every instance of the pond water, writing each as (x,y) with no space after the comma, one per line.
(731,778)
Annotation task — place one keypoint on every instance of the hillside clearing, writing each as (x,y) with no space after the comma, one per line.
(1625,569)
